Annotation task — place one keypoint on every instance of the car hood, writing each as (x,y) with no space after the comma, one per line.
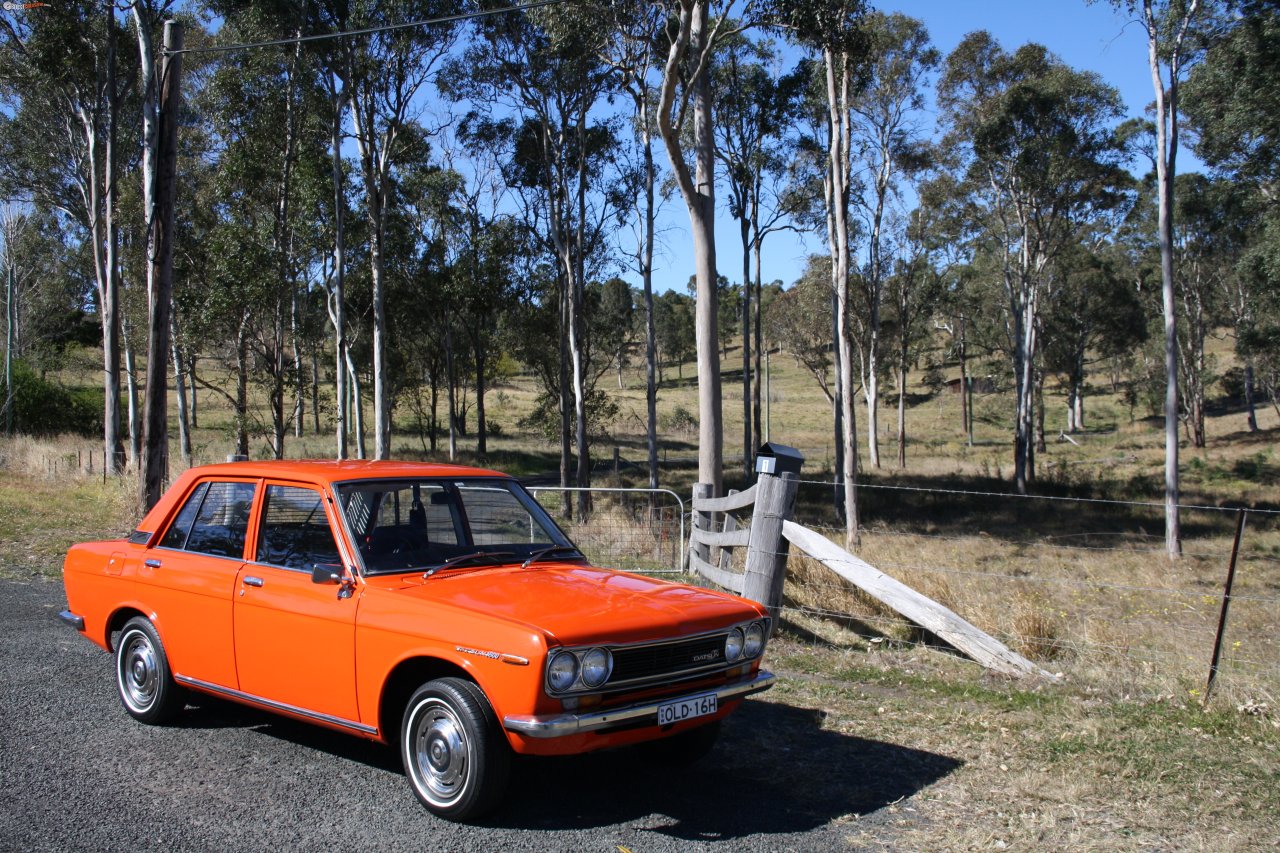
(577,604)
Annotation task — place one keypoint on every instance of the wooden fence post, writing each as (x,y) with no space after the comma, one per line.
(702,521)
(766,566)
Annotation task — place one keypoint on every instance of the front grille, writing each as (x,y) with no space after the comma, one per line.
(642,663)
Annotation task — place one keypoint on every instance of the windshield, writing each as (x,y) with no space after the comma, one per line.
(409,525)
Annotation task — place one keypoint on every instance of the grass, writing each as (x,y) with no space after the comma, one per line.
(1048,768)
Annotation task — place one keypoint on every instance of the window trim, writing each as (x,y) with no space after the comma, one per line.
(260,523)
(250,527)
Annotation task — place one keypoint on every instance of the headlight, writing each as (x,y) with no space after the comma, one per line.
(563,671)
(754,640)
(596,665)
(733,645)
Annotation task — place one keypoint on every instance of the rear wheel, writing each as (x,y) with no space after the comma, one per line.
(146,684)
(454,754)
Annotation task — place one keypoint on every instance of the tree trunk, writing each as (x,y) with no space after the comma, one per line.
(1248,396)
(357,405)
(1166,115)
(650,326)
(180,392)
(838,163)
(113,448)
(315,390)
(337,289)
(453,393)
(698,192)
(747,443)
(482,441)
(192,387)
(242,387)
(131,396)
(152,472)
(902,410)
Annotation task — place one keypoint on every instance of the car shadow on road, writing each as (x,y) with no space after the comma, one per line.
(775,770)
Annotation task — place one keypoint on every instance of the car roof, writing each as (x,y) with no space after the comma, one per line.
(331,471)
(315,471)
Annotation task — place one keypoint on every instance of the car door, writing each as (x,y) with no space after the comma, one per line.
(189,578)
(294,637)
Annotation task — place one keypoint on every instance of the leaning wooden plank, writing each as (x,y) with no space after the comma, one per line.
(727,503)
(923,611)
(731,581)
(723,538)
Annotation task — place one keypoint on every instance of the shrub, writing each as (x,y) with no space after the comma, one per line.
(42,408)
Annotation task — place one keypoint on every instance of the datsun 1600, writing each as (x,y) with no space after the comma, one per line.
(435,607)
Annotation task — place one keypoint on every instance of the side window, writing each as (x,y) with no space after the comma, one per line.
(295,532)
(222,521)
(497,517)
(176,537)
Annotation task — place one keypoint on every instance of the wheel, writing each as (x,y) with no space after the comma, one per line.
(685,748)
(455,756)
(146,685)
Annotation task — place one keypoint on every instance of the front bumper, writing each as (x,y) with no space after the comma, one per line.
(562,725)
(72,619)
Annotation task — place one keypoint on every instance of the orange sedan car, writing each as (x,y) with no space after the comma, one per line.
(435,606)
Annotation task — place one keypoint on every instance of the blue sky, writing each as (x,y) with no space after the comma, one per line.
(1088,36)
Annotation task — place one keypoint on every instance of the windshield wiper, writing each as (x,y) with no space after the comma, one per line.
(463,559)
(547,552)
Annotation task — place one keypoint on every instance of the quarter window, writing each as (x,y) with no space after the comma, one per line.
(295,532)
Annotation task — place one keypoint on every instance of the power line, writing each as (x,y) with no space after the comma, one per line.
(447,19)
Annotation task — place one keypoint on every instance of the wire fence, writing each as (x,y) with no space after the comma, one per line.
(634,529)
(1082,586)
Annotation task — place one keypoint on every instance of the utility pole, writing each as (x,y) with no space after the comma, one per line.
(160,241)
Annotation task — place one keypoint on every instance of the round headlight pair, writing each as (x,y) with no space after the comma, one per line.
(744,644)
(566,669)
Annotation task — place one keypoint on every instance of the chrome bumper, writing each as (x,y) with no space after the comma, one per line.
(72,619)
(560,725)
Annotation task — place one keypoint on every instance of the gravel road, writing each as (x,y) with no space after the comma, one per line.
(78,774)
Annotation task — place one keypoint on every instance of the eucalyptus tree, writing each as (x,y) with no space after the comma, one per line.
(1094,312)
(62,82)
(886,137)
(634,54)
(799,321)
(1174,45)
(834,30)
(1232,100)
(911,290)
(1040,159)
(751,130)
(537,79)
(383,72)
(1209,241)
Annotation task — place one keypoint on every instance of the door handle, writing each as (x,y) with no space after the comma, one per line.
(151,563)
(251,580)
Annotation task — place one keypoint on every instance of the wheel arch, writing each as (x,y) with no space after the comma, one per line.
(117,619)
(406,677)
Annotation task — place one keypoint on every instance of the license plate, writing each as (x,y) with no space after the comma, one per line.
(686,709)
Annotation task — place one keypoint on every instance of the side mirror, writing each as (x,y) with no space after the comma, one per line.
(327,573)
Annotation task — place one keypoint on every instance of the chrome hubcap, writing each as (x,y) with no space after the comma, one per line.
(439,752)
(139,676)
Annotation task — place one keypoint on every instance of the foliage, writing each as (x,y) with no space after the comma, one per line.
(45,408)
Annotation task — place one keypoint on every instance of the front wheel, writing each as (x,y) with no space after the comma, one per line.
(454,754)
(146,685)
